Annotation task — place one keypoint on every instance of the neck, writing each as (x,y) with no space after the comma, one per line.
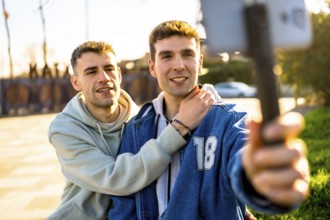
(106,115)
(172,106)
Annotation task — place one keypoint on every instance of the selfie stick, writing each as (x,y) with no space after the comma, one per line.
(260,49)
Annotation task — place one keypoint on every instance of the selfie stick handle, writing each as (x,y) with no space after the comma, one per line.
(261,51)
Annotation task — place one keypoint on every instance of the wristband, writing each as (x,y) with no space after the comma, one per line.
(185,126)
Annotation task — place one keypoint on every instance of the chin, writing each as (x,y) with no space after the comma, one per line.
(106,104)
(179,96)
(180,93)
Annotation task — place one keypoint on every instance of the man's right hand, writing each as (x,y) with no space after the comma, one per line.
(279,172)
(194,107)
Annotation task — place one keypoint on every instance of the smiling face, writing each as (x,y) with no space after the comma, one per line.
(98,78)
(176,65)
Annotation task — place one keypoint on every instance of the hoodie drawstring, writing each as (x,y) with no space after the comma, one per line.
(102,137)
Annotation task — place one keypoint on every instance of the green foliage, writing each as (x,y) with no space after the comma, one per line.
(310,68)
(225,71)
(317,137)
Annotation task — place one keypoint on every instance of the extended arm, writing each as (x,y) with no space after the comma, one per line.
(278,174)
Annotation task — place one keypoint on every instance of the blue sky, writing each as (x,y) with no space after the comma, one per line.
(124,23)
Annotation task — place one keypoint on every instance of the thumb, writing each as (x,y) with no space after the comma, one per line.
(255,134)
(254,143)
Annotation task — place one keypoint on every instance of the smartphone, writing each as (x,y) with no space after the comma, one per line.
(223,20)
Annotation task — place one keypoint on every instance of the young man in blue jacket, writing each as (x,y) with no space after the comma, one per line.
(224,166)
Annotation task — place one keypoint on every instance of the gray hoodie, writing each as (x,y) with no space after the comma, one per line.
(87,150)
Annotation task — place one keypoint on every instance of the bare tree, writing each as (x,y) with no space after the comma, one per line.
(44,44)
(31,53)
(87,19)
(6,15)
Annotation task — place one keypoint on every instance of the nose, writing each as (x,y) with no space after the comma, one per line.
(103,76)
(179,64)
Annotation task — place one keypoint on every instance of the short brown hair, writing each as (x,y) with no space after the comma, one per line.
(171,28)
(98,47)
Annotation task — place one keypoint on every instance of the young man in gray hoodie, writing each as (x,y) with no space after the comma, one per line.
(87,133)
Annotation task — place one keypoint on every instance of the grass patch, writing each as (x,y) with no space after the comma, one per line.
(317,137)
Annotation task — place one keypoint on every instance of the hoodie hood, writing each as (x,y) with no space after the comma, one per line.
(77,110)
(210,88)
(158,104)
(76,122)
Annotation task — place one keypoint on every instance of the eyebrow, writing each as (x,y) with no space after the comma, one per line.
(95,67)
(109,65)
(164,52)
(187,50)
(90,69)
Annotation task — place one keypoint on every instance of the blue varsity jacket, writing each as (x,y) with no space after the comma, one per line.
(211,183)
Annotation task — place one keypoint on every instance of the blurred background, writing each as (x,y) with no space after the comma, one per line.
(37,38)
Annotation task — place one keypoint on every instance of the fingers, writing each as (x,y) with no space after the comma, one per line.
(254,135)
(277,157)
(192,93)
(249,153)
(207,97)
(303,167)
(279,172)
(278,178)
(287,125)
(200,98)
(284,154)
(287,186)
(289,196)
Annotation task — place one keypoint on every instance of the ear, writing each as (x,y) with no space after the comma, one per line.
(120,78)
(200,64)
(152,68)
(75,83)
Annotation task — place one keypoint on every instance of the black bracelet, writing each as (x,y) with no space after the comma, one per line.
(185,126)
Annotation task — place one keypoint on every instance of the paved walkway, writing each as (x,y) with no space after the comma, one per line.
(31,181)
(30,175)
